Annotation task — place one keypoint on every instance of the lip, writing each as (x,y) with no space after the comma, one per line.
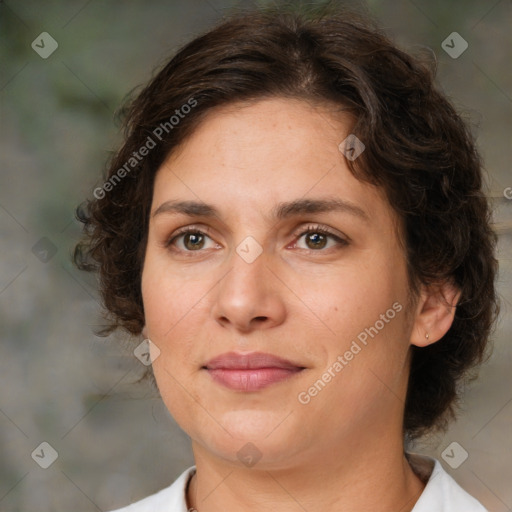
(250,372)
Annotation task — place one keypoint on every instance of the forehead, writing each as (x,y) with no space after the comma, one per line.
(276,131)
(257,155)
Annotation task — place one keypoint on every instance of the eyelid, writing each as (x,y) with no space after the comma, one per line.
(340,238)
(321,228)
(187,229)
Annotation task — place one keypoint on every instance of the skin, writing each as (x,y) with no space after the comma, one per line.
(298,300)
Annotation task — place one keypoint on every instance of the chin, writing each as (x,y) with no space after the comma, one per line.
(251,424)
(261,436)
(264,454)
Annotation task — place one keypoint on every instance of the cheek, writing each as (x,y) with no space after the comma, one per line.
(172,305)
(167,299)
(169,307)
(352,300)
(366,309)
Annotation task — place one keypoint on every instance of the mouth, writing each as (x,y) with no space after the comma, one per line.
(250,372)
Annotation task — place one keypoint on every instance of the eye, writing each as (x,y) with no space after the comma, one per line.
(191,239)
(318,237)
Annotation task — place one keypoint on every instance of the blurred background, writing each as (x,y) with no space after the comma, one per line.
(110,439)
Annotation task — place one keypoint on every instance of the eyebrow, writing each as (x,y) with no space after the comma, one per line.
(279,212)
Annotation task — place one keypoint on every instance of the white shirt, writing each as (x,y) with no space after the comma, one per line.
(441,494)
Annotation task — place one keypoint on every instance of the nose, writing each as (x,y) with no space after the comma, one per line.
(249,297)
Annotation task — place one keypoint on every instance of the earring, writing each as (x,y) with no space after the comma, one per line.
(427,335)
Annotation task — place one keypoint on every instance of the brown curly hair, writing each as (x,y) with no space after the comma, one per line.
(418,150)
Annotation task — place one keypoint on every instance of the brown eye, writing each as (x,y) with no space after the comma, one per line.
(190,240)
(193,241)
(316,240)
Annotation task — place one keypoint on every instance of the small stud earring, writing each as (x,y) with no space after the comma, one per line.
(427,335)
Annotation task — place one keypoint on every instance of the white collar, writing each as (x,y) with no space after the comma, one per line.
(441,494)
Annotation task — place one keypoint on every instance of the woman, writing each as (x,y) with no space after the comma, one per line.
(296,221)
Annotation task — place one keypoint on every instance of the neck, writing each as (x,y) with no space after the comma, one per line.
(365,477)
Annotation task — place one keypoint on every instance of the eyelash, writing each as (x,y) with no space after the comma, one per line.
(318,228)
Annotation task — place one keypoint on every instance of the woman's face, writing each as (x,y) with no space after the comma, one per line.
(256,273)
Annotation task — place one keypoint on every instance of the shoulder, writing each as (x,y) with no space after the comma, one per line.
(170,499)
(442,493)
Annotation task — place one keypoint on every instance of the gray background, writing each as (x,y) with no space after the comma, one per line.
(62,385)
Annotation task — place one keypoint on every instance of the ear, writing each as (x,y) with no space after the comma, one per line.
(144,332)
(434,313)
